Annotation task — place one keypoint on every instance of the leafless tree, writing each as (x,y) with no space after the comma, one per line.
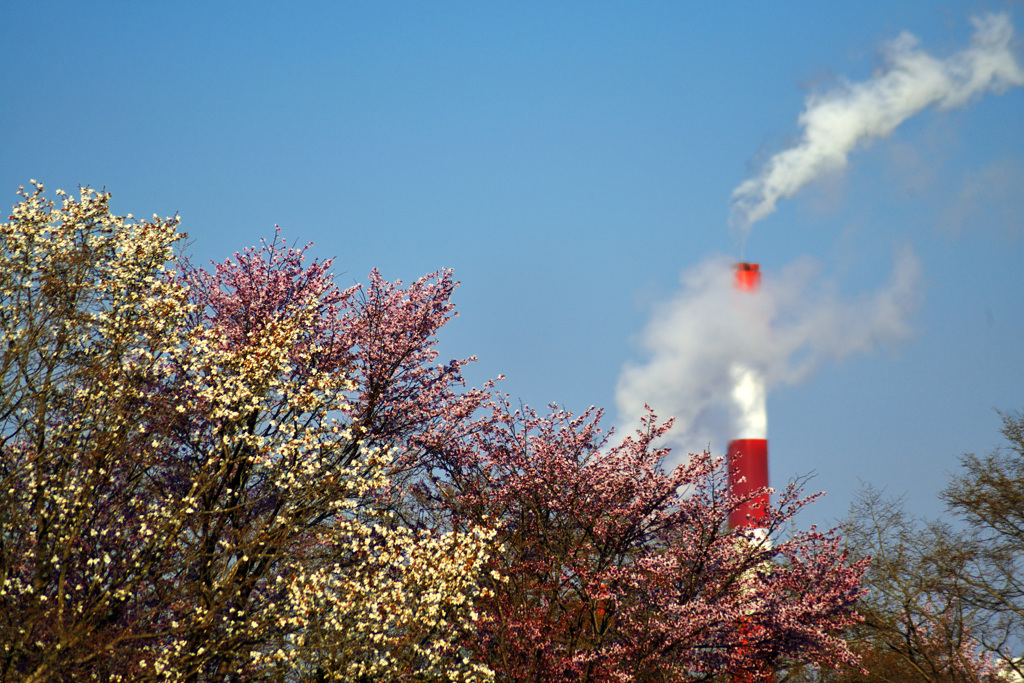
(987,559)
(946,598)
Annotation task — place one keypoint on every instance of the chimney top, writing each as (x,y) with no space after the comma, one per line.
(748,276)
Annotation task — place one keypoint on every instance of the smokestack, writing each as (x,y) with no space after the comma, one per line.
(748,451)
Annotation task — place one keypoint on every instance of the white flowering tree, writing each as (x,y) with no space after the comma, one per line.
(88,314)
(197,468)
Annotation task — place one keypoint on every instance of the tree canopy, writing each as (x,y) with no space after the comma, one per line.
(246,473)
(945,598)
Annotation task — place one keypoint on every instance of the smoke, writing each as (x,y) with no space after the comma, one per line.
(781,335)
(749,403)
(711,353)
(836,122)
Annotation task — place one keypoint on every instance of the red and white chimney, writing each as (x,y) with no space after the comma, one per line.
(748,451)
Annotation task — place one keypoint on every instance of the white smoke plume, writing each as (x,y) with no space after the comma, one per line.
(836,122)
(782,333)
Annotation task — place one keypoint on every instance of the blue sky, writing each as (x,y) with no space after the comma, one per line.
(571,162)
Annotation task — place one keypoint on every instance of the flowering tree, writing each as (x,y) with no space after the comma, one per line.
(194,465)
(309,401)
(86,309)
(249,474)
(614,569)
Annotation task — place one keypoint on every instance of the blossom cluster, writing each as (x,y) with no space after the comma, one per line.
(620,570)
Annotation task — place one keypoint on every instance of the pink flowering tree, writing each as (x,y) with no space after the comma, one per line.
(614,569)
(312,404)
(382,337)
